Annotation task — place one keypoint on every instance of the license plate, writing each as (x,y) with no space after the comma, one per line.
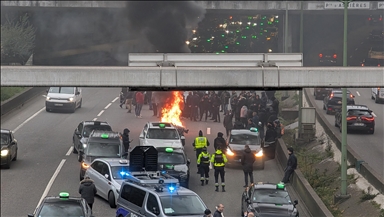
(58,104)
(358,124)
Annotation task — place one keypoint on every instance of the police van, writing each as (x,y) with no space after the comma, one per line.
(148,192)
(378,94)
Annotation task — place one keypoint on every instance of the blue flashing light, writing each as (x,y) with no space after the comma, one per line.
(122,173)
(171,189)
(163,172)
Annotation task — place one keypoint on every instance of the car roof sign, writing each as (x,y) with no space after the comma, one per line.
(104,136)
(280,186)
(169,150)
(64,195)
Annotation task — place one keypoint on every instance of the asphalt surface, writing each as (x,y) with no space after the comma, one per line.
(45,162)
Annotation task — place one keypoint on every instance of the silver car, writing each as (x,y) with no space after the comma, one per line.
(108,174)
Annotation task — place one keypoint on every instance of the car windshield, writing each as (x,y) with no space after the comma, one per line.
(4,138)
(170,158)
(120,172)
(62,208)
(378,49)
(244,139)
(162,134)
(103,149)
(182,205)
(358,112)
(272,196)
(340,94)
(67,90)
(89,128)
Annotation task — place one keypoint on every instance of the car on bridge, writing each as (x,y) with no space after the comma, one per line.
(8,148)
(159,134)
(372,62)
(268,199)
(332,102)
(374,20)
(378,94)
(359,118)
(328,57)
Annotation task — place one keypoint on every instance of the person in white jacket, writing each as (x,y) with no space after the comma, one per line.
(243,115)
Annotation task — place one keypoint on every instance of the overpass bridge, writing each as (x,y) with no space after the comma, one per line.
(214,5)
(198,71)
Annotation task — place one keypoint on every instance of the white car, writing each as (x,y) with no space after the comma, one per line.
(108,174)
(378,94)
(376,52)
(63,98)
(158,134)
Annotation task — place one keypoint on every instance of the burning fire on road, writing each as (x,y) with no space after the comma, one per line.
(173,106)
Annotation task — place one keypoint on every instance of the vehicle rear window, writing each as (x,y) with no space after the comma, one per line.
(271,196)
(170,158)
(358,112)
(67,90)
(103,149)
(182,205)
(162,134)
(62,209)
(89,128)
(4,138)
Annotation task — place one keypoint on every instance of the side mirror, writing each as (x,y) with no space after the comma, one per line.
(77,132)
(106,176)
(189,161)
(295,202)
(30,215)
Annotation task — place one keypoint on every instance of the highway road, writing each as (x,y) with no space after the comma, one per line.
(369,147)
(46,166)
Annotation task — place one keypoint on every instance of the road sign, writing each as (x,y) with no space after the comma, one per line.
(380,5)
(351,5)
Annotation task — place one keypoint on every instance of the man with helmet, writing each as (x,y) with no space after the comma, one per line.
(218,159)
(203,164)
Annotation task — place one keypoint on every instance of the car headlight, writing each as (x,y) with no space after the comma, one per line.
(84,145)
(48,98)
(84,165)
(229,152)
(259,154)
(70,99)
(4,152)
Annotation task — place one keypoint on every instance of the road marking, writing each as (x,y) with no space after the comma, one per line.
(350,56)
(102,111)
(374,115)
(94,119)
(26,121)
(356,48)
(358,93)
(50,183)
(69,151)
(362,42)
(108,105)
(115,99)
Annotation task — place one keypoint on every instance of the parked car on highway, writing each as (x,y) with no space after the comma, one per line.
(374,20)
(160,134)
(320,92)
(332,102)
(175,163)
(8,148)
(376,52)
(108,174)
(328,57)
(68,98)
(82,132)
(267,199)
(359,118)
(377,94)
(372,62)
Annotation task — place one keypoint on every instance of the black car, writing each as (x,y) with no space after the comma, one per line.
(82,132)
(332,102)
(174,162)
(8,148)
(63,205)
(320,92)
(376,35)
(328,58)
(372,62)
(359,118)
(267,199)
(374,20)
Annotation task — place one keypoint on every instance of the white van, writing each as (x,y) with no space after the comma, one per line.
(378,94)
(68,98)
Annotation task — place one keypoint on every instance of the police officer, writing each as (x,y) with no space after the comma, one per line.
(219,160)
(203,165)
(199,143)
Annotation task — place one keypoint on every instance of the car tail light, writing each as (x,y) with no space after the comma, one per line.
(351,95)
(380,18)
(351,118)
(334,56)
(321,55)
(368,119)
(378,64)
(369,19)
(362,64)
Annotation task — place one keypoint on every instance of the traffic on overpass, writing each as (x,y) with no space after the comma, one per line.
(91,39)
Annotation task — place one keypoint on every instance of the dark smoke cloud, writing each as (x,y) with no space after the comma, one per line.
(165,23)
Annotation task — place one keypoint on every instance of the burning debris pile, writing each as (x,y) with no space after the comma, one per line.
(172,108)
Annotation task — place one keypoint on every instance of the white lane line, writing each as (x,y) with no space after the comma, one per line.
(108,105)
(26,121)
(350,56)
(115,99)
(374,115)
(69,151)
(50,183)
(356,48)
(358,93)
(102,111)
(362,42)
(94,119)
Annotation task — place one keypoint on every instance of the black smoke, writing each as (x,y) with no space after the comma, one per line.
(165,24)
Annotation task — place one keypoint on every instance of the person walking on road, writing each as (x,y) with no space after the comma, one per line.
(220,142)
(291,166)
(199,143)
(247,161)
(218,159)
(126,141)
(219,211)
(128,100)
(203,164)
(139,103)
(88,191)
(228,123)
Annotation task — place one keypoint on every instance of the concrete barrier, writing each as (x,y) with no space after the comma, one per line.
(365,170)
(308,196)
(20,98)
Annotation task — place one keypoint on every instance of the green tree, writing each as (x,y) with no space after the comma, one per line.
(17,40)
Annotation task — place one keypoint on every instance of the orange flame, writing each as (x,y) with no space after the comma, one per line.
(172,109)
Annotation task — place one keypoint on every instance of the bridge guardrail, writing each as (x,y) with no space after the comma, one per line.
(19,99)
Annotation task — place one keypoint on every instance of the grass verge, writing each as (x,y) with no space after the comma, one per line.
(8,92)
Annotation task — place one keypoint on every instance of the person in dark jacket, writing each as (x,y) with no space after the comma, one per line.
(219,211)
(228,123)
(204,107)
(126,141)
(220,142)
(275,105)
(88,191)
(247,161)
(207,213)
(250,124)
(291,165)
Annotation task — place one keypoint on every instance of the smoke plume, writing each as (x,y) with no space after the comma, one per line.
(164,23)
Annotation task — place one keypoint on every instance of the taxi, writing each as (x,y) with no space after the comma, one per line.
(159,134)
